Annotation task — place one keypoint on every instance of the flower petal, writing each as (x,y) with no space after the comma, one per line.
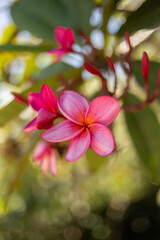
(45,118)
(45,163)
(35,101)
(48,98)
(53,163)
(68,39)
(78,146)
(62,131)
(40,149)
(102,110)
(59,33)
(58,52)
(31,126)
(102,140)
(73,106)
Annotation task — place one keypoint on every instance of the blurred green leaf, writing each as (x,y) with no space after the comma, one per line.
(144,130)
(23,48)
(154,66)
(94,160)
(41,17)
(53,69)
(147,16)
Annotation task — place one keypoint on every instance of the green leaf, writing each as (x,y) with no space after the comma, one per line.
(41,17)
(147,16)
(94,160)
(53,69)
(144,130)
(24,48)
(154,66)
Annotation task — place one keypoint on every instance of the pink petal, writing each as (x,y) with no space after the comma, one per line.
(62,131)
(73,106)
(40,149)
(58,52)
(45,118)
(31,126)
(102,140)
(35,101)
(48,98)
(53,163)
(69,39)
(102,110)
(45,163)
(78,146)
(59,33)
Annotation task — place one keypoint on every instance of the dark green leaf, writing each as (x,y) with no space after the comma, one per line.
(147,16)
(154,66)
(41,17)
(144,130)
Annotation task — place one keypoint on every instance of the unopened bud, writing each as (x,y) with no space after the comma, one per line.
(93,70)
(127,37)
(110,63)
(145,65)
(19,98)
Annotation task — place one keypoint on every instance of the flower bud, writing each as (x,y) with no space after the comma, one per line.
(145,65)
(19,98)
(127,37)
(110,63)
(93,70)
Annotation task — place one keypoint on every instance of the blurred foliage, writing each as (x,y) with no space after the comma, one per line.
(114,197)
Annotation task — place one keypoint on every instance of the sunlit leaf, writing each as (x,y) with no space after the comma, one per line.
(147,16)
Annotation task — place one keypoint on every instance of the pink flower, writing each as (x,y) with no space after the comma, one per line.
(85,125)
(45,103)
(44,155)
(65,38)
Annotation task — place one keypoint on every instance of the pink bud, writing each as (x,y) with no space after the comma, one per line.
(92,69)
(145,65)
(19,98)
(110,63)
(127,37)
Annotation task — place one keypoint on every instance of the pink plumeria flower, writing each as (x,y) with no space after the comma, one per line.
(45,156)
(65,38)
(85,125)
(45,103)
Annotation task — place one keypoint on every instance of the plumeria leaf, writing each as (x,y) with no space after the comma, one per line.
(146,16)
(154,66)
(144,130)
(41,17)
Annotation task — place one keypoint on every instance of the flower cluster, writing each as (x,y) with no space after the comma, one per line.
(84,124)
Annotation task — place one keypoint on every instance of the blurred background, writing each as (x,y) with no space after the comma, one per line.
(115,197)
